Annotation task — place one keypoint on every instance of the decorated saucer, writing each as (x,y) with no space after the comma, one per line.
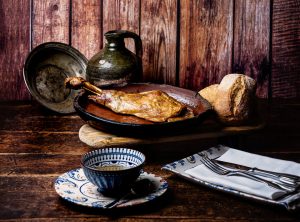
(74,187)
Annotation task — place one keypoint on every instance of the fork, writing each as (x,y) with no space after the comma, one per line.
(226,172)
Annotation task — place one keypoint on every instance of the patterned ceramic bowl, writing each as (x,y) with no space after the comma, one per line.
(113,170)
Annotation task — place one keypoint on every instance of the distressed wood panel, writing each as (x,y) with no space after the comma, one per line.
(252,41)
(14,46)
(121,14)
(286,49)
(87,26)
(158,33)
(50,21)
(206,32)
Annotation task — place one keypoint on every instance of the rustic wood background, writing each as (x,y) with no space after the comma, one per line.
(191,44)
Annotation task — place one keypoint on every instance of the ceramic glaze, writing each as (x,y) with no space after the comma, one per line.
(115,64)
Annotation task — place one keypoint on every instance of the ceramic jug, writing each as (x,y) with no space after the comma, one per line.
(115,64)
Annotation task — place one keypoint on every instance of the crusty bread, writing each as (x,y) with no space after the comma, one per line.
(232,99)
(209,93)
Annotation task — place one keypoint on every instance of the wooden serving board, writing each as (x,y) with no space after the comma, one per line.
(98,139)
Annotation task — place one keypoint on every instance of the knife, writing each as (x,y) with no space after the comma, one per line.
(283,177)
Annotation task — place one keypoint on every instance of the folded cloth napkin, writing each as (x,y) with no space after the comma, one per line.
(244,184)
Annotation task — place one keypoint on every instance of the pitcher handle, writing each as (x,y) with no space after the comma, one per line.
(137,42)
(127,34)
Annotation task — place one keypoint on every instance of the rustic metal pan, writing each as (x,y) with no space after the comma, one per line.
(104,119)
(45,70)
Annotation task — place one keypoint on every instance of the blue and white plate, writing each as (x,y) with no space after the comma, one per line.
(73,186)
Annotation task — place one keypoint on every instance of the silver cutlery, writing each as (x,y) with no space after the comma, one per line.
(216,168)
(119,200)
(140,188)
(283,177)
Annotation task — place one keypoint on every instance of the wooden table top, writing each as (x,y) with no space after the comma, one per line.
(36,146)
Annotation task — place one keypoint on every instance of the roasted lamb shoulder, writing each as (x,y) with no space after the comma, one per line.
(156,106)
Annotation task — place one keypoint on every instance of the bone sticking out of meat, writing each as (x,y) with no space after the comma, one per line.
(154,105)
(80,83)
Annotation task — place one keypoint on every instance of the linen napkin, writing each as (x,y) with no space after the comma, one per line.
(244,184)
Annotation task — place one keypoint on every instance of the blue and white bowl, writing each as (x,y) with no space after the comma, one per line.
(113,170)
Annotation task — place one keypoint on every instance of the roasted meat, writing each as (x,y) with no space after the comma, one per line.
(155,105)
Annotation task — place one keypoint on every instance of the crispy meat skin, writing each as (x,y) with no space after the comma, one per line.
(155,105)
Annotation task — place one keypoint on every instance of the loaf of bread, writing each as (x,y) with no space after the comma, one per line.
(232,99)
(210,93)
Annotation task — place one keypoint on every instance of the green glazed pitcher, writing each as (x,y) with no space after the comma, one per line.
(115,65)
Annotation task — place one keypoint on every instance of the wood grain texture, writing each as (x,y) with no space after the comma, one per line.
(14,47)
(39,122)
(193,44)
(33,189)
(39,142)
(121,14)
(32,158)
(286,49)
(158,33)
(87,26)
(50,21)
(206,33)
(252,41)
(99,139)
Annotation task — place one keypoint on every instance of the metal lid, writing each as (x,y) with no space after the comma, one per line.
(45,70)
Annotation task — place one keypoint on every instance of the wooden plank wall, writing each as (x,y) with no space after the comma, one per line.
(189,43)
(206,39)
(14,45)
(286,49)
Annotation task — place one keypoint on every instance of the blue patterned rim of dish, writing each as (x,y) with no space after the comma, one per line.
(129,158)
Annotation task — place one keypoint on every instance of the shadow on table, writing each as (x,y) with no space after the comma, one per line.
(146,208)
(229,200)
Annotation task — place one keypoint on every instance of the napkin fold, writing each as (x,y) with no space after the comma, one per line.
(244,184)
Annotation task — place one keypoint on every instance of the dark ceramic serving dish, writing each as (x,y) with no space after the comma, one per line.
(104,119)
